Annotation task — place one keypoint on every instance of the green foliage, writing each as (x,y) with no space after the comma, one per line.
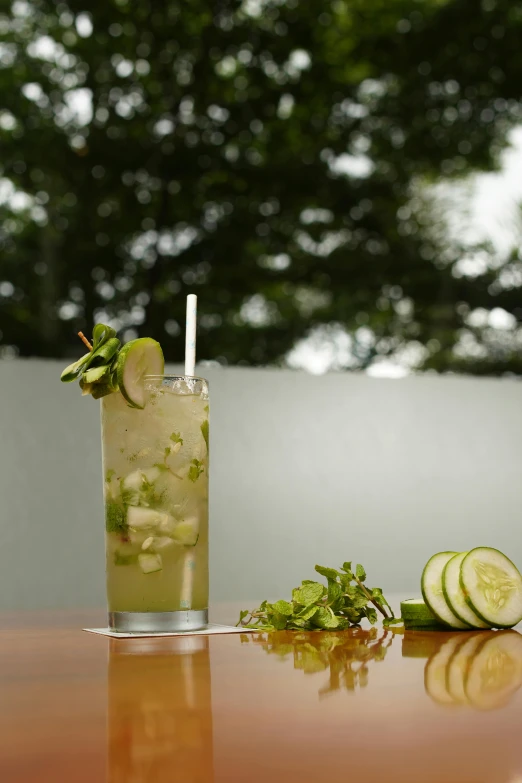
(313,606)
(211,162)
(115,518)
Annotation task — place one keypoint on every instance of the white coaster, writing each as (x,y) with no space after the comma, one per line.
(211,628)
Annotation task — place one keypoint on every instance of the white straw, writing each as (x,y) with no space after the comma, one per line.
(189,562)
(190,334)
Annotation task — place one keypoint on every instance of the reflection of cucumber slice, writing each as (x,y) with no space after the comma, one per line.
(431,586)
(420,644)
(416,609)
(150,563)
(136,360)
(187,532)
(435,672)
(458,666)
(492,585)
(495,672)
(423,625)
(454,594)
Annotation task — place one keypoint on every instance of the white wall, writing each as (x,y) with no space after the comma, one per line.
(303,469)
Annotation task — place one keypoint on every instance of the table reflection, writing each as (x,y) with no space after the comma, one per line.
(346,655)
(159,711)
(481,670)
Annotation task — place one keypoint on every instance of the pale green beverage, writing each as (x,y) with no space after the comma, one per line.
(155,465)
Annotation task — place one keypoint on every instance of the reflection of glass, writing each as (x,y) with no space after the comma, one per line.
(346,654)
(481,670)
(155,465)
(160,711)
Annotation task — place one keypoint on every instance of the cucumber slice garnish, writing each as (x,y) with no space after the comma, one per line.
(136,360)
(415,609)
(492,586)
(435,672)
(454,594)
(431,586)
(458,666)
(495,671)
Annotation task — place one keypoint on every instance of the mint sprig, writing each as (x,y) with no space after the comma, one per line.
(343,602)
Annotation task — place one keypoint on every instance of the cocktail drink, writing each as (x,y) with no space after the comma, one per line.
(155,464)
(155,437)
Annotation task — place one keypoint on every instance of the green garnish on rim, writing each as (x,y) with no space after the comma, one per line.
(109,367)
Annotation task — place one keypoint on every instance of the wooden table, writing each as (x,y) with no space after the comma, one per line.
(326,707)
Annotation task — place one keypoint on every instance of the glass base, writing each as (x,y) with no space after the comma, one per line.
(158,622)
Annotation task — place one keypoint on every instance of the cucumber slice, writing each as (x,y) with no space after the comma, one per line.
(137,359)
(454,594)
(137,485)
(150,563)
(495,672)
(431,586)
(139,518)
(187,532)
(492,586)
(415,608)
(458,666)
(435,672)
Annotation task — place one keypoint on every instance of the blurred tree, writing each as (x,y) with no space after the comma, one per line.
(269,156)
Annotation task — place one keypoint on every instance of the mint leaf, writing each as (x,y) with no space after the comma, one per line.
(329,573)
(296,624)
(335,591)
(360,573)
(307,613)
(242,614)
(109,475)
(353,615)
(325,619)
(114,518)
(204,431)
(371,614)
(195,470)
(176,438)
(283,607)
(166,452)
(278,621)
(347,567)
(309,593)
(161,466)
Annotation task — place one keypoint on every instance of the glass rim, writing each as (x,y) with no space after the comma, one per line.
(175,378)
